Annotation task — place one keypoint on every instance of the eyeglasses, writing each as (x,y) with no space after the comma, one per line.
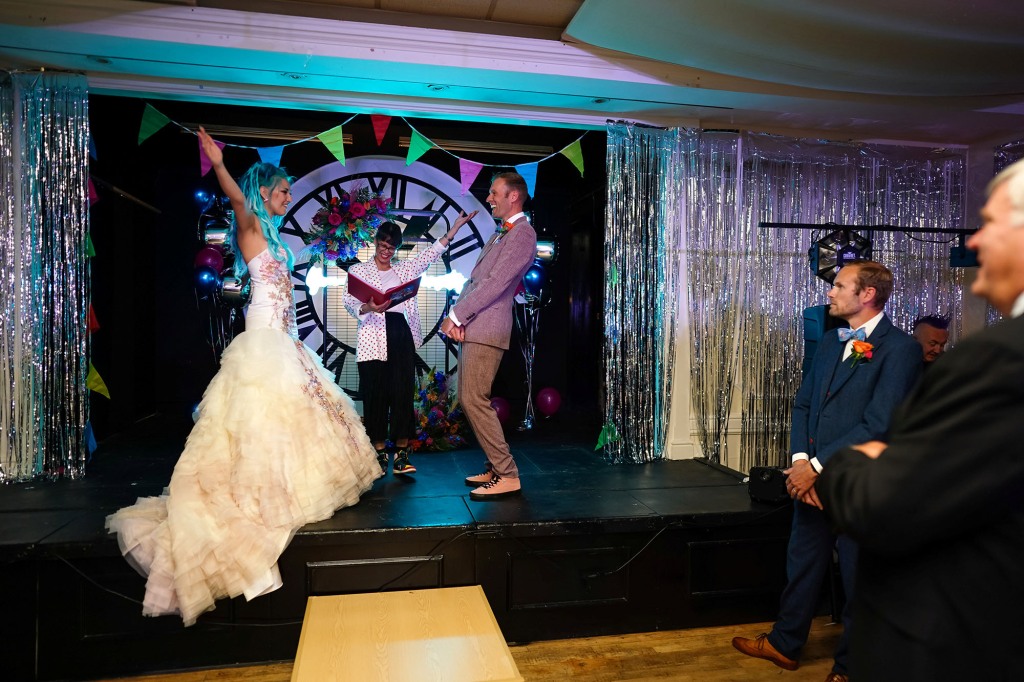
(384,246)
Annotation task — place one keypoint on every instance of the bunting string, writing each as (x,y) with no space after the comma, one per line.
(154,120)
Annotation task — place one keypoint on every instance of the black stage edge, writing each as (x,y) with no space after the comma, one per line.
(588,549)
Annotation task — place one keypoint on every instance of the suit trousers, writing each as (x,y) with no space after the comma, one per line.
(811,543)
(478,365)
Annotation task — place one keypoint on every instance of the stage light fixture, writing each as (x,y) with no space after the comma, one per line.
(830,253)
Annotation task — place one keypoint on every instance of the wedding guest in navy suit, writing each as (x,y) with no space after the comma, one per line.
(938,509)
(856,380)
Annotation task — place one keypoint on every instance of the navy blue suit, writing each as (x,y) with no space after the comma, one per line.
(838,404)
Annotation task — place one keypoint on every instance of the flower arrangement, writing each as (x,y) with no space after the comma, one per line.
(440,422)
(860,352)
(345,224)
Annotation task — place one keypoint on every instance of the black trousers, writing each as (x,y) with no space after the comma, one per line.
(388,385)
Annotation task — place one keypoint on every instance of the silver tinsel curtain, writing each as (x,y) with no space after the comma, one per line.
(763,273)
(44,293)
(640,290)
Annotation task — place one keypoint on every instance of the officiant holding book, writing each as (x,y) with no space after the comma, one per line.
(387,338)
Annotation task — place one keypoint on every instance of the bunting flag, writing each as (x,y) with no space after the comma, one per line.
(271,155)
(380,126)
(468,170)
(90,250)
(529,173)
(204,161)
(418,146)
(152,121)
(92,147)
(95,382)
(93,196)
(90,439)
(334,140)
(613,276)
(609,434)
(575,154)
(94,324)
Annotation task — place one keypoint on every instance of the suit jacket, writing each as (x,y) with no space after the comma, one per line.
(940,521)
(371,336)
(842,404)
(485,304)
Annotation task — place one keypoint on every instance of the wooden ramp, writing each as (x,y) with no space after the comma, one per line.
(444,634)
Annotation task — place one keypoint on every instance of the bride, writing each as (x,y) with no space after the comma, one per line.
(277,444)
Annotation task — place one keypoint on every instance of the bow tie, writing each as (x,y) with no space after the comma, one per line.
(857,335)
(503,228)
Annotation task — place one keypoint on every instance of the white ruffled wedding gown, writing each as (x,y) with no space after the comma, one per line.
(277,445)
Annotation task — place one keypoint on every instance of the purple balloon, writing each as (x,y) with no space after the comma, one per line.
(548,401)
(502,408)
(210,257)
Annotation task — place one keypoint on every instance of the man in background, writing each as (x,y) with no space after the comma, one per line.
(938,509)
(932,332)
(856,379)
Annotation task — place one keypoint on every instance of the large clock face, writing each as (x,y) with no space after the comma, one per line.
(324,324)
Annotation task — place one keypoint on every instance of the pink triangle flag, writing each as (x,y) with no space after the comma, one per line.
(468,170)
(93,196)
(204,161)
(380,126)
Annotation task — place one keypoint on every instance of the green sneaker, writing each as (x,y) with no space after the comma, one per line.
(383,459)
(402,463)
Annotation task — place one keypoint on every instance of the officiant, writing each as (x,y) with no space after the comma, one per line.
(386,342)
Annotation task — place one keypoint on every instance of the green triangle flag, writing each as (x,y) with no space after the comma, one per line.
(613,276)
(418,146)
(90,250)
(575,154)
(609,434)
(152,121)
(334,140)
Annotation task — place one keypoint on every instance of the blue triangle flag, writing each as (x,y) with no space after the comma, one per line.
(529,173)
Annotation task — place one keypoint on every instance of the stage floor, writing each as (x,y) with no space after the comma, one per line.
(564,480)
(588,549)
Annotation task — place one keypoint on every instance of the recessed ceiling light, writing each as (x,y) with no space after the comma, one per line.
(294,76)
(437,88)
(599,100)
(98,60)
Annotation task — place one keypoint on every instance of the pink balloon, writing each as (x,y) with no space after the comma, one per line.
(548,401)
(502,408)
(210,257)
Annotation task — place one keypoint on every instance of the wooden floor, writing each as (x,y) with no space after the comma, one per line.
(704,654)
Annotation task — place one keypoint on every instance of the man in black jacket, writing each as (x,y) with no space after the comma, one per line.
(938,510)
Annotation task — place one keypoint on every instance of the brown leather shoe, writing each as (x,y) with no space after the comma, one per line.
(496,489)
(479,479)
(762,648)
(837,677)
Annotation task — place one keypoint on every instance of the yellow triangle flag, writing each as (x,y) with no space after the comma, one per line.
(152,121)
(575,154)
(418,146)
(95,382)
(334,140)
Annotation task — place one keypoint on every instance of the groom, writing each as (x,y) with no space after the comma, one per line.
(858,376)
(482,321)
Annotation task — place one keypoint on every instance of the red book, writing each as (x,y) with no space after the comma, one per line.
(364,291)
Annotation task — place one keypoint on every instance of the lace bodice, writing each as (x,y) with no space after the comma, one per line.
(271,303)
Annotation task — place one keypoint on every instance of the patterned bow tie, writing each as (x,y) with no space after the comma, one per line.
(847,334)
(503,228)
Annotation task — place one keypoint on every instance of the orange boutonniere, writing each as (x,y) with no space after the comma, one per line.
(861,352)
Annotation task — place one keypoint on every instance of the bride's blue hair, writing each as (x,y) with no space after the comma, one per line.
(262,175)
